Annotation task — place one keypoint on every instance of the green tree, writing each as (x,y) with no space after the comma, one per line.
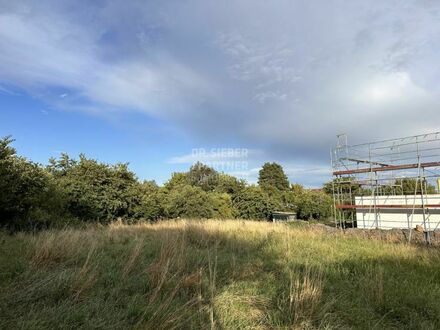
(253,203)
(187,201)
(177,179)
(409,186)
(96,191)
(203,176)
(345,186)
(286,201)
(29,197)
(314,204)
(229,184)
(222,206)
(149,204)
(406,186)
(6,151)
(272,177)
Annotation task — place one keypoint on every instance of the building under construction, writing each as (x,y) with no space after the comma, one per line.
(388,184)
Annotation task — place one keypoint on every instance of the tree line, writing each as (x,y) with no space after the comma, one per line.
(83,190)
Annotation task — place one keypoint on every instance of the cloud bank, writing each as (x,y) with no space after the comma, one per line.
(280,76)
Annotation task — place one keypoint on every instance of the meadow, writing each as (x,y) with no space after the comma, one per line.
(230,274)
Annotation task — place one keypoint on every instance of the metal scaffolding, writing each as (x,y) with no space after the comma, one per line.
(386,168)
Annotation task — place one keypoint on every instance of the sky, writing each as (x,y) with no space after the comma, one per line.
(231,83)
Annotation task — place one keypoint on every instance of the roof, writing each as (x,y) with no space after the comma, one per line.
(284,213)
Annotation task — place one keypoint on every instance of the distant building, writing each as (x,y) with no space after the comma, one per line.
(283,216)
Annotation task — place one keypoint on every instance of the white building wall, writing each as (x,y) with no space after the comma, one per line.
(397,217)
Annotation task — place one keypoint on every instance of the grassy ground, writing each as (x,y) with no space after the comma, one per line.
(218,275)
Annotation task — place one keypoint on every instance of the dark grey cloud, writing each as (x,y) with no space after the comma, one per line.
(281,76)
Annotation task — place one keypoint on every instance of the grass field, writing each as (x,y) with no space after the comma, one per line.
(218,275)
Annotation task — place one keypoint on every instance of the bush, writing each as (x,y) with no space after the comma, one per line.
(96,191)
(229,184)
(189,202)
(149,204)
(29,197)
(314,205)
(202,176)
(254,203)
(33,197)
(222,206)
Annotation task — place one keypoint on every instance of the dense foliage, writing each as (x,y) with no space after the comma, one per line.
(272,176)
(29,195)
(96,191)
(314,204)
(70,190)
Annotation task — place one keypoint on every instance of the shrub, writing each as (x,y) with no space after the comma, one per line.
(96,191)
(314,205)
(29,197)
(254,203)
(202,176)
(188,201)
(229,184)
(149,205)
(222,206)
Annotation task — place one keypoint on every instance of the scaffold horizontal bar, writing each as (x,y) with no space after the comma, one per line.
(364,161)
(392,206)
(368,182)
(414,139)
(386,168)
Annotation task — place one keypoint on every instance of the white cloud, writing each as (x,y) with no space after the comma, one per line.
(39,53)
(5,90)
(246,163)
(284,76)
(391,89)
(307,174)
(207,155)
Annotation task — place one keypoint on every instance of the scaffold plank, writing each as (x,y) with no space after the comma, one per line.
(386,168)
(391,206)
(364,161)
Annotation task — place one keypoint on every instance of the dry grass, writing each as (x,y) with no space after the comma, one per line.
(85,278)
(305,293)
(167,278)
(55,247)
(216,274)
(132,258)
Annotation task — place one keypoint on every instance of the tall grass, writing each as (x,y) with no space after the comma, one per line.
(304,296)
(216,274)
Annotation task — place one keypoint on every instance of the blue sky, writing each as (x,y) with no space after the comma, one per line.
(155,83)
